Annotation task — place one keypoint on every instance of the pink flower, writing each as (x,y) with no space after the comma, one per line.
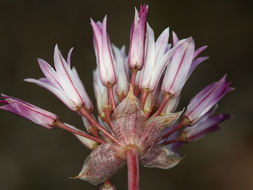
(121,66)
(206,99)
(178,68)
(103,51)
(100,93)
(182,64)
(204,126)
(137,39)
(156,59)
(63,82)
(28,111)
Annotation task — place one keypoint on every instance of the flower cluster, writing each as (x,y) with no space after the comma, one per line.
(137,95)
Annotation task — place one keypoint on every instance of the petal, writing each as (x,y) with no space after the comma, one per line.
(137,39)
(49,73)
(178,68)
(55,91)
(198,51)
(29,111)
(206,99)
(174,38)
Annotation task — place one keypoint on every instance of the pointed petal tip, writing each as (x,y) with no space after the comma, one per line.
(28,79)
(92,22)
(56,47)
(105,19)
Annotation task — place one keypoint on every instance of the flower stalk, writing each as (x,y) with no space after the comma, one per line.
(65,127)
(133,169)
(87,115)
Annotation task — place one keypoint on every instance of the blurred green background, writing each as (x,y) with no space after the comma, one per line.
(32,157)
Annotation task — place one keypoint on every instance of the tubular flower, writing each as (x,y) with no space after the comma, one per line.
(136,98)
(182,64)
(156,59)
(100,93)
(63,82)
(178,68)
(204,126)
(28,111)
(121,72)
(137,39)
(103,52)
(206,99)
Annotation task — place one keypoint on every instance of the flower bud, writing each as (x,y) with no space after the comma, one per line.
(206,99)
(28,111)
(103,51)
(137,39)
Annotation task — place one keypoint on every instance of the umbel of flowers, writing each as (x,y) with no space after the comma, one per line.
(136,96)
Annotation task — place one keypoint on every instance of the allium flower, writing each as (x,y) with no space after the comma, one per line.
(204,126)
(103,52)
(206,99)
(28,111)
(137,122)
(156,59)
(178,68)
(181,66)
(137,39)
(121,72)
(63,82)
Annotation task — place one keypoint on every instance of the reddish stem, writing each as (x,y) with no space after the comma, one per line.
(134,73)
(111,96)
(166,98)
(87,115)
(133,169)
(93,130)
(177,127)
(107,119)
(61,125)
(144,96)
(178,139)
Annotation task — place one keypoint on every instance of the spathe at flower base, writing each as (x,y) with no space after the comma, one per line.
(133,131)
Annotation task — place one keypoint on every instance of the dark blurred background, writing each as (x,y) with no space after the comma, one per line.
(32,157)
